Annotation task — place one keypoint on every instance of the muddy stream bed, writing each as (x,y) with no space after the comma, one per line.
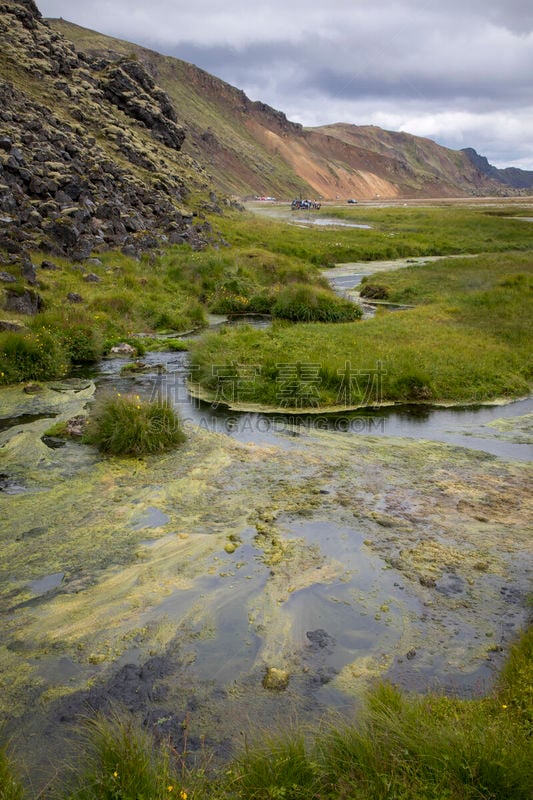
(266,572)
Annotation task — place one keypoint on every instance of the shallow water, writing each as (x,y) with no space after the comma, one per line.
(362,546)
(304,218)
(468,426)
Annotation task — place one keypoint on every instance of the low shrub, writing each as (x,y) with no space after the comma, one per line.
(176,345)
(34,355)
(129,426)
(411,387)
(227,303)
(374,291)
(83,342)
(262,303)
(303,303)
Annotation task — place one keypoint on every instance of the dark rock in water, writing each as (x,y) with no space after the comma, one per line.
(10,485)
(324,675)
(411,653)
(54,442)
(320,639)
(32,388)
(76,425)
(133,687)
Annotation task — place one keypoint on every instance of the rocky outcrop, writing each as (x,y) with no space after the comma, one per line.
(23,301)
(131,88)
(89,149)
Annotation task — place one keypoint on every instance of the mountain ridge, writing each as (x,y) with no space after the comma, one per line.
(105,143)
(287,158)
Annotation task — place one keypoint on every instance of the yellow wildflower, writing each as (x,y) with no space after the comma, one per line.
(504,706)
(183,795)
(115,774)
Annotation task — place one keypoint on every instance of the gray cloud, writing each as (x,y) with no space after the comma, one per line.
(458,73)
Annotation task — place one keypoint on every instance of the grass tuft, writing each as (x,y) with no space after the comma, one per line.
(10,786)
(129,426)
(33,355)
(277,768)
(121,761)
(302,303)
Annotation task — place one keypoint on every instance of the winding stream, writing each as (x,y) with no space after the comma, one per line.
(468,426)
(334,549)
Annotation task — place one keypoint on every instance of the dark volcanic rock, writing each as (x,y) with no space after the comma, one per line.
(74,297)
(131,88)
(61,188)
(26,301)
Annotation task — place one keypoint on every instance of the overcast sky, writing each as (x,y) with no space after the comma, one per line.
(457,71)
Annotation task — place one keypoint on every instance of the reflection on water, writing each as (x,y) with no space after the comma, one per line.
(462,426)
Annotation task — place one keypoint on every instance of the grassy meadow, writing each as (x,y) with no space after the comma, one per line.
(394,232)
(466,340)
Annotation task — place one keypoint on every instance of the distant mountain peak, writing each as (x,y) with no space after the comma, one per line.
(510,176)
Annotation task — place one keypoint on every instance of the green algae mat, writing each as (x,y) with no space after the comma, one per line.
(231,585)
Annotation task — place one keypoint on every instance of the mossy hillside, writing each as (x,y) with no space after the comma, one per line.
(213,113)
(468,341)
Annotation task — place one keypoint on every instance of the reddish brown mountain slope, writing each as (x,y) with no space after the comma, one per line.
(249,148)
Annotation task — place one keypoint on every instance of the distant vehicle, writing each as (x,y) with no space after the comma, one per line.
(263,198)
(305,204)
(351,200)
